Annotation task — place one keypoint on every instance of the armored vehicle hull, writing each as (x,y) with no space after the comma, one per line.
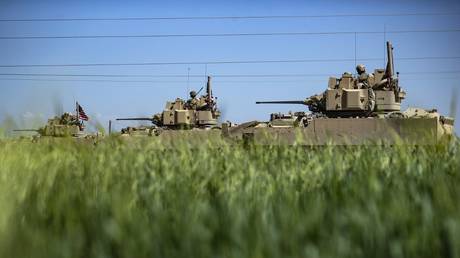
(427,130)
(176,138)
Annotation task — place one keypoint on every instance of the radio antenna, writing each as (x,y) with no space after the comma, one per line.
(188,80)
(355,49)
(384,45)
(205,71)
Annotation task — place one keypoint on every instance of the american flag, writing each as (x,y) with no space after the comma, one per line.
(81,113)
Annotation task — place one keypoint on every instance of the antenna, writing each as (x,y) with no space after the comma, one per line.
(188,80)
(205,71)
(453,103)
(384,44)
(355,49)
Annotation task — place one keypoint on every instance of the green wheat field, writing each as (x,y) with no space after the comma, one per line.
(141,199)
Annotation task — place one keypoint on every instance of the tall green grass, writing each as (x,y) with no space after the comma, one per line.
(140,199)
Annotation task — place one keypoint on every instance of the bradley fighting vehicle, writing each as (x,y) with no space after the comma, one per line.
(353,110)
(196,116)
(64,126)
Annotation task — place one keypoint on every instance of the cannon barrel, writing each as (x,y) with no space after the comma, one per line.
(303,102)
(154,121)
(25,130)
(135,119)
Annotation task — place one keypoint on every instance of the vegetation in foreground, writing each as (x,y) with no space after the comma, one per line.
(134,199)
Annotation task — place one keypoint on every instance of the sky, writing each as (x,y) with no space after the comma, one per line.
(429,83)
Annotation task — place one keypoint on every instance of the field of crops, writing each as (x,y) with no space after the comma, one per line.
(139,199)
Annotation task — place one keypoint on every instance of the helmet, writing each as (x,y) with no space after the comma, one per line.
(193,94)
(360,68)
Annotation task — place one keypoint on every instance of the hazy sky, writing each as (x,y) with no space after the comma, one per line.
(109,97)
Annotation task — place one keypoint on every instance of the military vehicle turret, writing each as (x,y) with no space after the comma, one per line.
(353,110)
(194,115)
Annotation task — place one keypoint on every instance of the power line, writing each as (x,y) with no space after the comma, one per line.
(264,34)
(91,80)
(228,62)
(160,76)
(182,82)
(140,81)
(199,76)
(248,17)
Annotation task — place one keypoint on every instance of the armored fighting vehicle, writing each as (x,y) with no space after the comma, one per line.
(353,110)
(66,125)
(196,116)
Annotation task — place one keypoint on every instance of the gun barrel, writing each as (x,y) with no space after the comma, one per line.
(283,102)
(135,119)
(25,130)
(198,92)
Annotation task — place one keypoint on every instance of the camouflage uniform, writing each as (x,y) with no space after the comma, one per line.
(362,82)
(67,119)
(193,102)
(316,103)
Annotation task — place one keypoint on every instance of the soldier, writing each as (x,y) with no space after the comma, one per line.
(192,103)
(362,82)
(363,77)
(66,118)
(157,119)
(316,103)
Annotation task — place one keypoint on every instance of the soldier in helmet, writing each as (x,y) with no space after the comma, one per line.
(69,119)
(192,102)
(66,118)
(362,82)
